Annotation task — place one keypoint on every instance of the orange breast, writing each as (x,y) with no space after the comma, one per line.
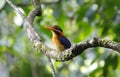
(57,43)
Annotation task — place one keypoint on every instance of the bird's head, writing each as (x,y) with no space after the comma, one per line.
(55,30)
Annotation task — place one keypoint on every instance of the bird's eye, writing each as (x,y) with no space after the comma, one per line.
(57,32)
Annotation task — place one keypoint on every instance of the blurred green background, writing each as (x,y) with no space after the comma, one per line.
(80,19)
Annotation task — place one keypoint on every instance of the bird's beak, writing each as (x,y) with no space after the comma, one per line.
(49,27)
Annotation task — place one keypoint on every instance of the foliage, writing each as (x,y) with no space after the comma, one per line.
(80,20)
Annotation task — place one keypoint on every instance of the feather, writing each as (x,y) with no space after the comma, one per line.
(65,42)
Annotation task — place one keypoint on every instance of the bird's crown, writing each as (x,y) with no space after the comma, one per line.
(57,28)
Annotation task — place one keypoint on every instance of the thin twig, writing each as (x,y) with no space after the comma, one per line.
(16,9)
(52,67)
(45,3)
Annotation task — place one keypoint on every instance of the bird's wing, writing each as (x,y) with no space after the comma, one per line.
(64,41)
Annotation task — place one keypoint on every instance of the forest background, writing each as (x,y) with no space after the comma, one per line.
(80,19)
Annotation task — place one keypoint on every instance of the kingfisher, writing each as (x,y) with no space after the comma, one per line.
(59,40)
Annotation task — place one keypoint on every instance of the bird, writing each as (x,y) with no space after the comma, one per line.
(59,40)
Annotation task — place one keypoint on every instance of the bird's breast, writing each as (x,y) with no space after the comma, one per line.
(58,44)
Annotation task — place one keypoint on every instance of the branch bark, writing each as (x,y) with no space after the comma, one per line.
(77,49)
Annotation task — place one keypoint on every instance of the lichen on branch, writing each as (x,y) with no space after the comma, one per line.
(77,49)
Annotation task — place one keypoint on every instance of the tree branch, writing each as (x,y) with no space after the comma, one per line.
(77,49)
(37,11)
